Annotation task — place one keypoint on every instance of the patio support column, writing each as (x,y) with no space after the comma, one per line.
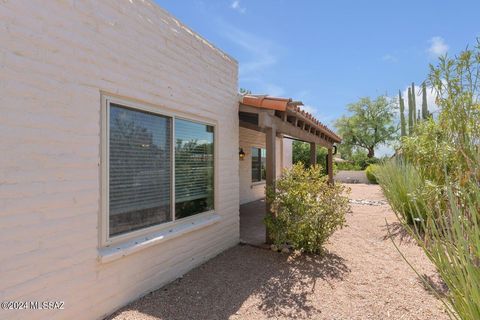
(330,165)
(313,153)
(271,167)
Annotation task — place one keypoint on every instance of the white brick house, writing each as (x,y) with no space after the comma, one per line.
(120,146)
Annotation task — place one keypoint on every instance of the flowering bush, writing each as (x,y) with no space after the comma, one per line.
(307,210)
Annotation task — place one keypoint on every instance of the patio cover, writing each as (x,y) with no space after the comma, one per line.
(260,112)
(283,117)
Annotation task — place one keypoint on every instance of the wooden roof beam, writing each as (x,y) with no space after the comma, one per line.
(268,120)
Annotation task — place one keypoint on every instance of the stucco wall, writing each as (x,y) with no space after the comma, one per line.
(55,58)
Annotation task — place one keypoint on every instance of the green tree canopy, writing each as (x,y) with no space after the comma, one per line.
(301,154)
(370,123)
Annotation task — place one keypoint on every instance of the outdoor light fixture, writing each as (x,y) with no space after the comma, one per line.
(241,154)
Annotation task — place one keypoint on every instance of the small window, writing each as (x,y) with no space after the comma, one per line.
(158,169)
(258,164)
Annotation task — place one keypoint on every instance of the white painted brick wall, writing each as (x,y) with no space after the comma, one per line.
(55,57)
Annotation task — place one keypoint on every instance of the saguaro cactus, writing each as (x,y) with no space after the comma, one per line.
(425,113)
(410,112)
(403,131)
(414,104)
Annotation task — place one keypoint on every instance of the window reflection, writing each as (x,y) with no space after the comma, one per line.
(194,168)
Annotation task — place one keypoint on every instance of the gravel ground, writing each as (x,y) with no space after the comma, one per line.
(362,277)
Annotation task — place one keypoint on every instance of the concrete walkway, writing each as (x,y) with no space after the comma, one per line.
(252,228)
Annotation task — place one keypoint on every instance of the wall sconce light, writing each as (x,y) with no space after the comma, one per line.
(241,154)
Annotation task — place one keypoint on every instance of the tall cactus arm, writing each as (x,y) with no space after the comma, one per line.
(402,114)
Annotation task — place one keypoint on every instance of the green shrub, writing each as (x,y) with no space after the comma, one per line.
(361,159)
(370,161)
(453,245)
(370,172)
(439,182)
(431,151)
(307,209)
(348,166)
(451,240)
(301,154)
(404,189)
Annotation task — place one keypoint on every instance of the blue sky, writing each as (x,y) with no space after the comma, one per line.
(330,53)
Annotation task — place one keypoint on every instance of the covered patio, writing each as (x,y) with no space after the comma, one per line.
(279,117)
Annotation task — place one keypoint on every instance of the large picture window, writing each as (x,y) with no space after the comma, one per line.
(144,189)
(139,169)
(259,164)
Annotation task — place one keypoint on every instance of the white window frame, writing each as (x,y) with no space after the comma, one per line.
(104,233)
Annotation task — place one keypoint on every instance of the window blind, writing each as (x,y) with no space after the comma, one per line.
(139,169)
(194,168)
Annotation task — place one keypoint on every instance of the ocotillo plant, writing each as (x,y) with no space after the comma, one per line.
(425,113)
(403,131)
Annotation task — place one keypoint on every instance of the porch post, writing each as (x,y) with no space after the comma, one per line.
(313,153)
(330,165)
(271,167)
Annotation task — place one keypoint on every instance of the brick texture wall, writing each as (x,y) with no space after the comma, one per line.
(55,59)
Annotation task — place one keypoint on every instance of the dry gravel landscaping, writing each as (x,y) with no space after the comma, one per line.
(362,277)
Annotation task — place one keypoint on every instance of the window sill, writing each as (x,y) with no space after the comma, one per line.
(114,252)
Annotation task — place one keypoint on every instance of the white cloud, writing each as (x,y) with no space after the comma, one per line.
(260,50)
(259,55)
(390,58)
(438,47)
(236,6)
(273,90)
(314,111)
(309,109)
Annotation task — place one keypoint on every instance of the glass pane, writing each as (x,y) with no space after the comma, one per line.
(139,169)
(263,164)
(258,164)
(194,168)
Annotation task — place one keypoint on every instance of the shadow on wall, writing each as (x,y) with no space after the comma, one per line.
(216,290)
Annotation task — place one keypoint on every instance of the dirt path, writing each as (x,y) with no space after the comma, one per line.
(363,277)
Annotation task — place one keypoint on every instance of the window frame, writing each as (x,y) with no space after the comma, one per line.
(105,239)
(261,181)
